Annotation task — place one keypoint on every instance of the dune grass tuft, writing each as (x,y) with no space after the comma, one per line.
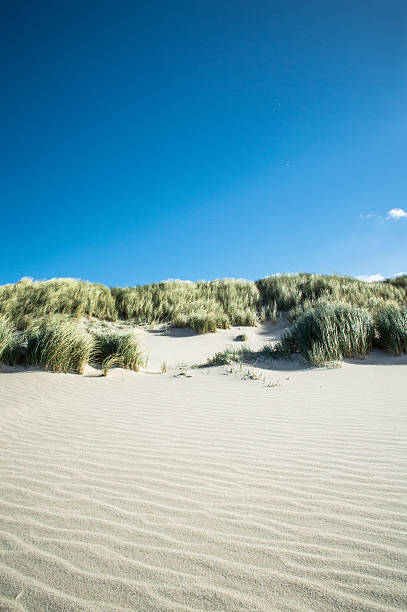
(203,306)
(6,334)
(228,356)
(115,349)
(58,345)
(328,333)
(391,327)
(57,296)
(12,350)
(296,293)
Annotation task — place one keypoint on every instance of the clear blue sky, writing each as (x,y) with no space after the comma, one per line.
(149,140)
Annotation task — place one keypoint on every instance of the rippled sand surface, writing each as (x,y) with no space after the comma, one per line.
(143,492)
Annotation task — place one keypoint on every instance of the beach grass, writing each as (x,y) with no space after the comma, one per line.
(331,317)
(58,345)
(203,306)
(391,327)
(115,349)
(328,333)
(34,299)
(229,355)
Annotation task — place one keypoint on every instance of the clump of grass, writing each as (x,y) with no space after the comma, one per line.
(58,345)
(164,367)
(241,338)
(6,334)
(204,306)
(268,312)
(244,317)
(296,292)
(115,349)
(207,322)
(202,321)
(391,327)
(56,296)
(228,356)
(12,349)
(398,281)
(15,352)
(328,333)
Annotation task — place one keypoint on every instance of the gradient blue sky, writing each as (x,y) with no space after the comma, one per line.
(149,140)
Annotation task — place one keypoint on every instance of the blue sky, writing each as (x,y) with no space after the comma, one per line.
(151,140)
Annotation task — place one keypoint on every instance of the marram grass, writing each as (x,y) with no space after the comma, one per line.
(391,327)
(328,333)
(59,346)
(298,292)
(115,349)
(6,334)
(35,299)
(228,356)
(203,306)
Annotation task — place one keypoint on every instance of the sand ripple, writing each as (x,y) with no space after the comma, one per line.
(151,493)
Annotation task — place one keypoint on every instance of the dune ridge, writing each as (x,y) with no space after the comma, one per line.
(157,493)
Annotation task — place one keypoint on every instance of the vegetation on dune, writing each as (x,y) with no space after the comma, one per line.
(203,306)
(7,340)
(228,356)
(202,321)
(398,281)
(391,326)
(36,299)
(296,293)
(332,316)
(328,333)
(112,348)
(58,345)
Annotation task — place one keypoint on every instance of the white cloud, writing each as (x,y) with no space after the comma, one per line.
(371,278)
(396,213)
(374,216)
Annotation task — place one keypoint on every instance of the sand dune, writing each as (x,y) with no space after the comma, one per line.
(175,346)
(160,493)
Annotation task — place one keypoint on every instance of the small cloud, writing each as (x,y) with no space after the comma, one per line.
(371,278)
(396,213)
(378,218)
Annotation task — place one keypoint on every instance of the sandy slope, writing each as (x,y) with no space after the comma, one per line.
(183,346)
(144,492)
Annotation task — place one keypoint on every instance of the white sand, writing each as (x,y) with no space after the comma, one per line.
(144,492)
(183,346)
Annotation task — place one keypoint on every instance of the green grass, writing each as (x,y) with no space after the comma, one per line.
(35,299)
(391,327)
(204,306)
(399,281)
(115,349)
(229,356)
(299,292)
(6,334)
(328,333)
(58,345)
(241,338)
(202,321)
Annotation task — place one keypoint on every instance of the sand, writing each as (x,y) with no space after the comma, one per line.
(150,492)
